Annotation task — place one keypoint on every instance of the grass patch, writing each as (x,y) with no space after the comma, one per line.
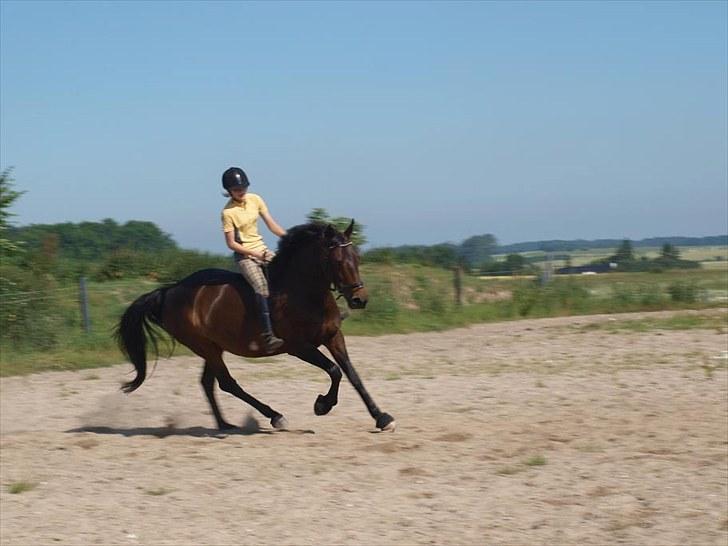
(158,492)
(536,460)
(709,369)
(21,487)
(509,470)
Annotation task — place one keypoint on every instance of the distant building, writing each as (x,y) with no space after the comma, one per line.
(586,269)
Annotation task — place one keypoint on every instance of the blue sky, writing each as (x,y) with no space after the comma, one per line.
(428,122)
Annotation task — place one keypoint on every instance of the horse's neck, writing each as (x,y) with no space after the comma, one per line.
(302,280)
(291,285)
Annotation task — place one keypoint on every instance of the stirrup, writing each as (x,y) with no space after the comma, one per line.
(272,343)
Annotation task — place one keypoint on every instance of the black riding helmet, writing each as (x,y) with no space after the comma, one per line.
(234,177)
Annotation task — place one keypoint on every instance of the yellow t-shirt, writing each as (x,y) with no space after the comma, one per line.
(242,218)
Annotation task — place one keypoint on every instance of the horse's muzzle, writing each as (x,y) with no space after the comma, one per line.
(358,298)
(357,303)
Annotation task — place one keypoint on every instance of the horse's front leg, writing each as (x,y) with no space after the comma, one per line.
(312,355)
(337,347)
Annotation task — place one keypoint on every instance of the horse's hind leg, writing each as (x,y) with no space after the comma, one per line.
(312,355)
(208,383)
(228,384)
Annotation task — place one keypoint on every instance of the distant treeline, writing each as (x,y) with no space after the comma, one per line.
(110,250)
(92,240)
(583,244)
(473,253)
(101,250)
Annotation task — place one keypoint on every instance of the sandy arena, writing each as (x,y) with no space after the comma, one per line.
(552,431)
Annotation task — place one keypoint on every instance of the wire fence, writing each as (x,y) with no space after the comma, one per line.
(86,314)
(37,295)
(62,317)
(19,297)
(81,294)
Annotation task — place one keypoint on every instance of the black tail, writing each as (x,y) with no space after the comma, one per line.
(135,329)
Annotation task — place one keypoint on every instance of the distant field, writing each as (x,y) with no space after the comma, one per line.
(712,257)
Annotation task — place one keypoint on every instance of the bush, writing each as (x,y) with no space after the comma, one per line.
(428,297)
(127,263)
(166,266)
(557,296)
(176,265)
(683,292)
(641,295)
(525,299)
(382,311)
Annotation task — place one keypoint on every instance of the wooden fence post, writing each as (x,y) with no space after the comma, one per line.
(458,283)
(83,300)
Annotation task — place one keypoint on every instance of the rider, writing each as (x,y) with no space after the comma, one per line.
(239,223)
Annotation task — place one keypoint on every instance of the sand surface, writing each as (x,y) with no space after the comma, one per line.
(552,431)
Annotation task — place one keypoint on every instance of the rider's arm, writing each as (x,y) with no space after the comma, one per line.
(272,224)
(237,247)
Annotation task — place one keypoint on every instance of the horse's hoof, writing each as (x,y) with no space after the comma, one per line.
(224,425)
(391,427)
(386,423)
(279,422)
(321,406)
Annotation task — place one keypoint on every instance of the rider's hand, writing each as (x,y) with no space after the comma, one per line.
(261,256)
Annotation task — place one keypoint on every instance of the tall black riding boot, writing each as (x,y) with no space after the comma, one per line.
(272,343)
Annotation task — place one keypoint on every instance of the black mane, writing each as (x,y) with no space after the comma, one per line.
(294,239)
(300,235)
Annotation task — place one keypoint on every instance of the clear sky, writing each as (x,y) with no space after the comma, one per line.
(428,122)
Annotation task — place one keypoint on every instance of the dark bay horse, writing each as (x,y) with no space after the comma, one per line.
(213,310)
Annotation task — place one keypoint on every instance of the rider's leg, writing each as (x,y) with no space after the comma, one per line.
(253,273)
(272,343)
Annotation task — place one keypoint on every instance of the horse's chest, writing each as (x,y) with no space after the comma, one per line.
(312,323)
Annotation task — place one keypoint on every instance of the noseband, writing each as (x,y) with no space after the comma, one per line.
(339,287)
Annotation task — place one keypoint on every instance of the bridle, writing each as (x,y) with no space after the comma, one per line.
(338,287)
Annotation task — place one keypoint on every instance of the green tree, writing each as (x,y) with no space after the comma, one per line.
(477,251)
(43,260)
(7,197)
(340,223)
(443,255)
(625,253)
(669,252)
(515,263)
(318,215)
(91,241)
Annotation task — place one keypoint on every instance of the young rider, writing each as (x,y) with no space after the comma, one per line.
(240,225)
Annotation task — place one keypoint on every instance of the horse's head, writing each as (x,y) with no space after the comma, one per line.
(343,260)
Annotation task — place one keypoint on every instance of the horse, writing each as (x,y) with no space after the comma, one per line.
(213,310)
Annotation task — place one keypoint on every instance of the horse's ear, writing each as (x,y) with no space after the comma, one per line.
(330,232)
(349,230)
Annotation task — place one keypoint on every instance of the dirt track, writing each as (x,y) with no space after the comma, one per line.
(547,431)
